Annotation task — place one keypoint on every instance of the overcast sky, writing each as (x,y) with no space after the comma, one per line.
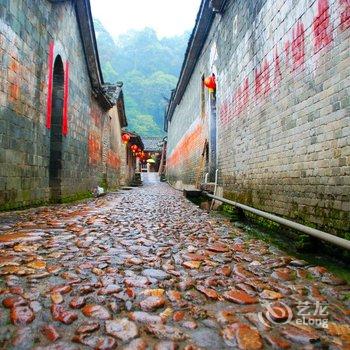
(167,17)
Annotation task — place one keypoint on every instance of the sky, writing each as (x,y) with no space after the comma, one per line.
(167,17)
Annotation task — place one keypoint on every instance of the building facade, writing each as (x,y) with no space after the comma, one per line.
(129,160)
(60,124)
(278,125)
(153,150)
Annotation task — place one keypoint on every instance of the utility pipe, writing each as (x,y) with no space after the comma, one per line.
(215,188)
(340,242)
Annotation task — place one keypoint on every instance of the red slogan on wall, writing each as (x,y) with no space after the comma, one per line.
(65,100)
(322,25)
(267,74)
(345,14)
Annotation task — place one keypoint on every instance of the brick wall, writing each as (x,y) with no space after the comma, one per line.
(115,150)
(27,31)
(283,109)
(128,166)
(182,162)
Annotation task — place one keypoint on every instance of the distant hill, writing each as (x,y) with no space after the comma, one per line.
(149,68)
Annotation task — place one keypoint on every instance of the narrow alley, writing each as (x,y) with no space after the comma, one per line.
(147,269)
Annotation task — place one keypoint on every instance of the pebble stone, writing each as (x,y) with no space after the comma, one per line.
(147,269)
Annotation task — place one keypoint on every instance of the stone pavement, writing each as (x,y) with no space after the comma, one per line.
(147,269)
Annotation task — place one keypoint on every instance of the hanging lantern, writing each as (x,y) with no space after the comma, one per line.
(134,148)
(210,83)
(125,138)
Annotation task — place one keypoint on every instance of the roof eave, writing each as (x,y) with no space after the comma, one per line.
(136,140)
(204,21)
(197,40)
(87,33)
(121,111)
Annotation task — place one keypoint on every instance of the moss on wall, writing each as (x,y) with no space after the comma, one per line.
(76,197)
(285,237)
(21,205)
(10,206)
(333,222)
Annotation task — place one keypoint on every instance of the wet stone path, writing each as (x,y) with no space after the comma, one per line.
(147,269)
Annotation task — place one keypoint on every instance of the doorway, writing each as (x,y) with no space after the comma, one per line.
(55,167)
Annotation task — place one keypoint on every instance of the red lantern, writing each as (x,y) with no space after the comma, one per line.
(134,148)
(210,82)
(126,138)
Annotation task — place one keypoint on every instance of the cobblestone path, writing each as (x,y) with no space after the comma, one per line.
(147,269)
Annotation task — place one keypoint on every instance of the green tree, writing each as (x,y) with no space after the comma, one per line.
(149,68)
(145,125)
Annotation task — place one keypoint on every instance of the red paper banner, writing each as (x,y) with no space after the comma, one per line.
(65,100)
(49,86)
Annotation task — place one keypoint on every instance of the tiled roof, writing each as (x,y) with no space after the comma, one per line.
(135,139)
(152,144)
(113,91)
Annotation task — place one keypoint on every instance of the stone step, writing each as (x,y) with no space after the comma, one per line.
(208,187)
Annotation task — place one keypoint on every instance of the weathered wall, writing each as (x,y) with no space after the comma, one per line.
(186,146)
(115,150)
(283,99)
(104,147)
(129,166)
(27,29)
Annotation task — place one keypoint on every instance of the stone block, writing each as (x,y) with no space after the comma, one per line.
(295,136)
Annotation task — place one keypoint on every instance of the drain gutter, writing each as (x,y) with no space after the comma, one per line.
(340,242)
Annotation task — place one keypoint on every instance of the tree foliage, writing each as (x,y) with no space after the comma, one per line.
(149,68)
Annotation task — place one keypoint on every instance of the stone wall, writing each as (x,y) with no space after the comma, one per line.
(128,166)
(104,147)
(283,109)
(115,150)
(28,31)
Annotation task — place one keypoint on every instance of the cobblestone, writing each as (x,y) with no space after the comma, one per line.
(147,269)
